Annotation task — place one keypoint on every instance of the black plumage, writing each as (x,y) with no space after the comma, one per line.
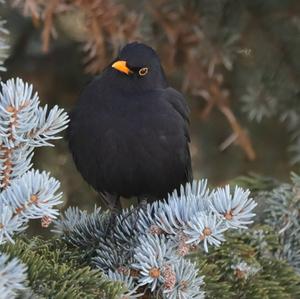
(129,130)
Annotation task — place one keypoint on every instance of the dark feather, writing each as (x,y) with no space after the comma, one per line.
(129,136)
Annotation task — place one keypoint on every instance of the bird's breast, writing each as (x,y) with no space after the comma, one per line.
(132,142)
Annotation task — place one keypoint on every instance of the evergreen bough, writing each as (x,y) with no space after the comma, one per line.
(146,247)
(54,271)
(25,193)
(279,204)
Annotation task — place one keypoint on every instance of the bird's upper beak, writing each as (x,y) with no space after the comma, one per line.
(121,66)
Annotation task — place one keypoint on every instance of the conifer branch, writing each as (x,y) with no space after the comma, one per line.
(146,247)
(25,125)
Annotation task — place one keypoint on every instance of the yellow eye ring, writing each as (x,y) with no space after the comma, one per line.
(143,71)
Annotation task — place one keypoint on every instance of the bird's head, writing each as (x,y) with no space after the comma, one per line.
(139,64)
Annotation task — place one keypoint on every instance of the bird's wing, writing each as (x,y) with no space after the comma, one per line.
(179,103)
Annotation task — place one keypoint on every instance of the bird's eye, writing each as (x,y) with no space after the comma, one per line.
(143,71)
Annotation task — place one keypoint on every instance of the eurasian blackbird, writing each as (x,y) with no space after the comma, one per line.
(129,130)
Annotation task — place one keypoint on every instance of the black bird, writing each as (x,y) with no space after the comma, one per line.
(129,130)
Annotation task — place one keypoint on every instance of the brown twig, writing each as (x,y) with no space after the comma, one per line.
(218,97)
(242,137)
(48,24)
(6,152)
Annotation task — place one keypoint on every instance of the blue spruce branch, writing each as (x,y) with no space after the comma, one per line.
(146,247)
(12,277)
(26,194)
(283,214)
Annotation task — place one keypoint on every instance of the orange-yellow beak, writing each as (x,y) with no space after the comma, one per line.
(121,66)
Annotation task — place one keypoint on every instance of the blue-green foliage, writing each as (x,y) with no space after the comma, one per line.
(152,242)
(25,193)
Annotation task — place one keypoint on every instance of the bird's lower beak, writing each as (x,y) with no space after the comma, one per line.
(121,66)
